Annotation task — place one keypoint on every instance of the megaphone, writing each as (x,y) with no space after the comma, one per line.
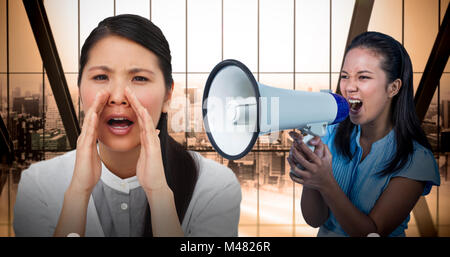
(237,109)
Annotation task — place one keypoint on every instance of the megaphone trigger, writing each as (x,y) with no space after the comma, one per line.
(306,139)
(312,130)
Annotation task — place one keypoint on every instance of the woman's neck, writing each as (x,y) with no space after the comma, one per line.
(377,129)
(122,164)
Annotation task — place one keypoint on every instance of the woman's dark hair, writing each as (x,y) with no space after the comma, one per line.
(396,63)
(179,166)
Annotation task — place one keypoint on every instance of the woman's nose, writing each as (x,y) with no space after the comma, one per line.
(118,97)
(351,86)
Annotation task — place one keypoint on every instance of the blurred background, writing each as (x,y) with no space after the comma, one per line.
(292,44)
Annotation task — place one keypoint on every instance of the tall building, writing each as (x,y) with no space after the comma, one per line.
(52,117)
(28,105)
(16,92)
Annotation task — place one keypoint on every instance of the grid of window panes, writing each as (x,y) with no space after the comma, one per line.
(292,44)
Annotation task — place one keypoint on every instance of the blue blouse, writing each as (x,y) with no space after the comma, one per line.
(361,181)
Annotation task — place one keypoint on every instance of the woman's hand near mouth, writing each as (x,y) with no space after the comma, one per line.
(151,176)
(88,164)
(86,173)
(149,168)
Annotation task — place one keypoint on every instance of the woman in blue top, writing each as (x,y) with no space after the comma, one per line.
(367,173)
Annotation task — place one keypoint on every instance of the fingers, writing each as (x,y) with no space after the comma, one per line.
(88,136)
(91,132)
(100,101)
(146,121)
(137,107)
(300,159)
(326,153)
(299,174)
(303,148)
(295,135)
(309,155)
(295,178)
(315,141)
(148,131)
(297,151)
(319,146)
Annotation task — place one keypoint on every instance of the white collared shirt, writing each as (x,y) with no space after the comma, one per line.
(119,184)
(213,210)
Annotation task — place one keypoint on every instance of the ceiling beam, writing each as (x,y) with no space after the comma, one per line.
(47,48)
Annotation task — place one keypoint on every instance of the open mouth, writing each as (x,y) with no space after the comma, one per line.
(119,123)
(355,104)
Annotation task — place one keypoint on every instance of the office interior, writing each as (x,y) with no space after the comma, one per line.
(291,44)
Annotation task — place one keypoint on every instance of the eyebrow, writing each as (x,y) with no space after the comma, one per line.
(136,70)
(133,70)
(359,72)
(102,67)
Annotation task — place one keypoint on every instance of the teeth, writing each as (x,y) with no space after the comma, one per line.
(354,101)
(121,118)
(118,127)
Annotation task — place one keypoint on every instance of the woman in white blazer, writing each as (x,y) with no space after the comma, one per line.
(127,176)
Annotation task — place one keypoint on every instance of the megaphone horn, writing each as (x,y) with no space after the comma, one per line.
(237,109)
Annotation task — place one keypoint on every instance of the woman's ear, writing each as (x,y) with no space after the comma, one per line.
(166,104)
(394,88)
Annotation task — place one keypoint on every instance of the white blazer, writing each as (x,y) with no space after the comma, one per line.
(213,210)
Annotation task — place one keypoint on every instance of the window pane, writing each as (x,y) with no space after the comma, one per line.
(276,36)
(170,17)
(420,30)
(312,82)
(334,81)
(429,123)
(72,80)
(2,35)
(285,81)
(247,174)
(416,80)
(386,18)
(444,6)
(196,136)
(312,43)
(430,127)
(302,229)
(26,110)
(445,103)
(275,191)
(139,7)
(204,35)
(91,13)
(63,19)
(4,202)
(342,12)
(444,189)
(240,31)
(3,97)
(23,52)
(177,113)
(55,133)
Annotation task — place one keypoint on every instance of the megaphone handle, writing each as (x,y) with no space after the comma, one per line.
(306,138)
